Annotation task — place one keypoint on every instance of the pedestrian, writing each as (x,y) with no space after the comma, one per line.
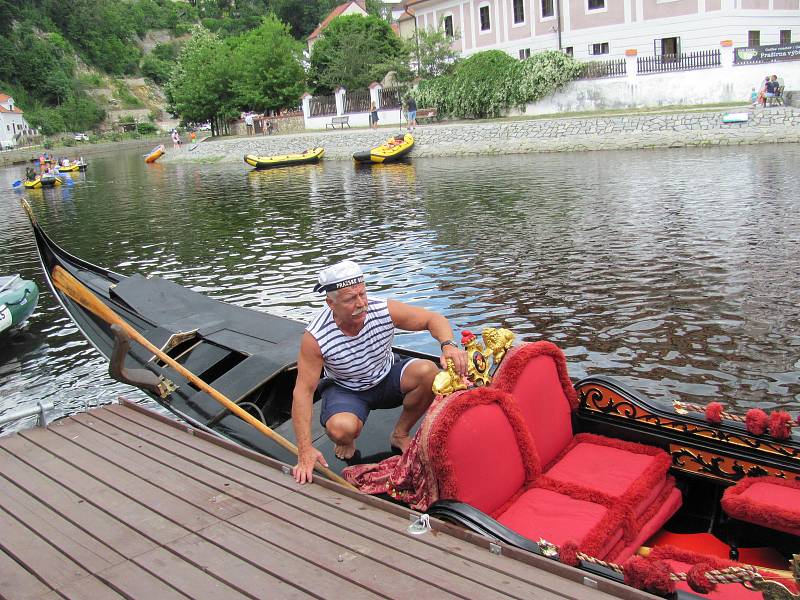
(411,112)
(373,116)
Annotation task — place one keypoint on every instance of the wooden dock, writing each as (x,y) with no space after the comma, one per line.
(121,502)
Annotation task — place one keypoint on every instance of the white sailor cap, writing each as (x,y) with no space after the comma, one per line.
(338,276)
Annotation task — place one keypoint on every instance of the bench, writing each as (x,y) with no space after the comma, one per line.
(426,113)
(342,121)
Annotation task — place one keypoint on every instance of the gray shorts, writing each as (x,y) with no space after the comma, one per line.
(385,394)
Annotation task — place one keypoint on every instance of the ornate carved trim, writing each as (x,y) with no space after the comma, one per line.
(599,399)
(717,466)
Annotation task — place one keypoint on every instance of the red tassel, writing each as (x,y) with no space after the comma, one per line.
(568,553)
(756,421)
(780,424)
(697,580)
(652,576)
(714,413)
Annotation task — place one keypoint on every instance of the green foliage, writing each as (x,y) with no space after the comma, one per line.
(302,16)
(156,69)
(146,128)
(200,86)
(488,83)
(433,51)
(266,67)
(353,51)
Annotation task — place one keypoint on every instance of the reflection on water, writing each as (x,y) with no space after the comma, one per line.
(671,270)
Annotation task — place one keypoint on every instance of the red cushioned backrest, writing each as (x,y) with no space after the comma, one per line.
(487,466)
(532,377)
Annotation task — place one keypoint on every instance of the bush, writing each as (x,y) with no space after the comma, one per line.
(489,83)
(146,128)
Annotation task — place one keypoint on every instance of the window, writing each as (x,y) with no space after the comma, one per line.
(448,25)
(667,46)
(486,24)
(753,38)
(524,53)
(786,36)
(601,48)
(568,51)
(596,4)
(547,8)
(519,11)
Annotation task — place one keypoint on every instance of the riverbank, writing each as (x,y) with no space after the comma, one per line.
(516,136)
(22,156)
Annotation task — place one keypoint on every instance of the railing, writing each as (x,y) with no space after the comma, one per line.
(23,413)
(356,101)
(766,54)
(389,98)
(608,68)
(322,106)
(678,62)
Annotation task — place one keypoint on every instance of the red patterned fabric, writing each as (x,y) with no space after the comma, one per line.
(766,501)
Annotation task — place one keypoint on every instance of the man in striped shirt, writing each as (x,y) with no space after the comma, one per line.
(351,340)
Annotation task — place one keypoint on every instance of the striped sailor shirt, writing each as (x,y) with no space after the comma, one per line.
(361,361)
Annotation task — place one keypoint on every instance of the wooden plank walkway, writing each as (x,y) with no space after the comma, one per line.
(121,502)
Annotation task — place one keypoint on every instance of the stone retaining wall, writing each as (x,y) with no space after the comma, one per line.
(770,125)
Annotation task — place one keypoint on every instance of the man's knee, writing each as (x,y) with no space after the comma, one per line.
(421,374)
(343,427)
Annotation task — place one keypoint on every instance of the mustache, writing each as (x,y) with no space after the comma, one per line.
(358,312)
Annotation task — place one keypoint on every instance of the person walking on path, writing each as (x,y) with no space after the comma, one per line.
(373,115)
(351,340)
(411,112)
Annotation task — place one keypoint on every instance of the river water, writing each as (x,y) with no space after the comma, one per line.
(675,271)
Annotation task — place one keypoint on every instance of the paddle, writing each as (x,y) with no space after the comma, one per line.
(83,296)
(17,183)
(68,180)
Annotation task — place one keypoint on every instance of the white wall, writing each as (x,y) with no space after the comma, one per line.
(703,86)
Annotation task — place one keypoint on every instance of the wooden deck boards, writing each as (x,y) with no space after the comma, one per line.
(120,502)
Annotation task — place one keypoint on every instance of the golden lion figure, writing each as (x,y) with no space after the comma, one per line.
(498,341)
(449,381)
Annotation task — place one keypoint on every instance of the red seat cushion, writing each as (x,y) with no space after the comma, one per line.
(623,471)
(484,454)
(536,375)
(766,501)
(540,513)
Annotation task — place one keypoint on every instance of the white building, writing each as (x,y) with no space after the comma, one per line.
(13,126)
(601,29)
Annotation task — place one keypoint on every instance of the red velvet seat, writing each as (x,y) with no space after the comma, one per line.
(766,501)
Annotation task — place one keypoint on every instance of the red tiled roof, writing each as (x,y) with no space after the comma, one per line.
(13,110)
(4,97)
(335,13)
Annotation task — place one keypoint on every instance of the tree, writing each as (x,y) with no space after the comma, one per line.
(200,89)
(302,16)
(434,52)
(353,51)
(267,69)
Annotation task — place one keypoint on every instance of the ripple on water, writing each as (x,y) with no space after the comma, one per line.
(668,269)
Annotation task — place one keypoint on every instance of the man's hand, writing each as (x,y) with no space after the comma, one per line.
(306,460)
(458,356)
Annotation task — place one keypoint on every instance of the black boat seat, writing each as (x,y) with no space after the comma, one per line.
(237,383)
(203,357)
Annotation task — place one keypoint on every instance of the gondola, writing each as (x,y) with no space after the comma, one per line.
(393,149)
(312,155)
(607,475)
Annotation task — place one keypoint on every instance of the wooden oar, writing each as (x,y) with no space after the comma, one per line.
(83,296)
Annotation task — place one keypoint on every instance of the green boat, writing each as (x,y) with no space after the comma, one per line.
(18,298)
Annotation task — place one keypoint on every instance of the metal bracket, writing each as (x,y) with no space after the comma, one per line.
(141,378)
(495,548)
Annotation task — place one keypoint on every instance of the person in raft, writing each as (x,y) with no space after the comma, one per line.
(351,339)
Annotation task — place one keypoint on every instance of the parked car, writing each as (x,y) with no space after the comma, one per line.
(205,127)
(81,137)
(7,145)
